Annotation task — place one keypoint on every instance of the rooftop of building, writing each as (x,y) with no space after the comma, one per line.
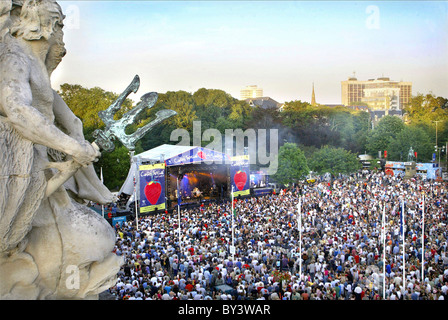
(380,79)
(263,102)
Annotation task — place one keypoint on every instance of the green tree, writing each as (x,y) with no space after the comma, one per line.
(426,109)
(386,129)
(212,106)
(86,103)
(115,166)
(292,164)
(181,102)
(429,113)
(321,125)
(334,160)
(414,137)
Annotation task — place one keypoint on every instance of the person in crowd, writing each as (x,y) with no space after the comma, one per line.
(341,255)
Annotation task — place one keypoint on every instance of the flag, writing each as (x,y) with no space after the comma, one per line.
(233,205)
(401,218)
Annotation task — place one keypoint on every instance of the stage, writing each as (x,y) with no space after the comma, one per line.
(201,174)
(196,183)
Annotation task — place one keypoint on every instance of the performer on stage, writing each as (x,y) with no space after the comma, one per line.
(196,192)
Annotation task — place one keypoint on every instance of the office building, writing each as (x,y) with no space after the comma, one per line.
(251,92)
(377,94)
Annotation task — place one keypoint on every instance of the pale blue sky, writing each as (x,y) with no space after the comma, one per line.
(281,46)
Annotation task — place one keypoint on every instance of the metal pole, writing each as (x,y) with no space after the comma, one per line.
(233,231)
(300,238)
(136,207)
(437,146)
(404,242)
(135,190)
(423,238)
(384,249)
(178,217)
(446,155)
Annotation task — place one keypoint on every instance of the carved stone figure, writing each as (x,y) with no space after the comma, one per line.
(411,154)
(51,245)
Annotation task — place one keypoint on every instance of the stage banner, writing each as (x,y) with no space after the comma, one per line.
(152,187)
(240,175)
(119,220)
(197,155)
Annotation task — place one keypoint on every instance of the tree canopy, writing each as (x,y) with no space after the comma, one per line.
(334,160)
(321,125)
(320,138)
(385,131)
(292,164)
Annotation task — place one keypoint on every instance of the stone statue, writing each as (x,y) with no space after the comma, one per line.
(52,246)
(411,155)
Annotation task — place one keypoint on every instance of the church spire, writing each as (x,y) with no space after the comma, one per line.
(313,97)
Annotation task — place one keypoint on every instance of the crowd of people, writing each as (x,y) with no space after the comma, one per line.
(337,254)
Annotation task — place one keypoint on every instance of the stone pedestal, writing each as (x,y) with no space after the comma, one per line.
(410,169)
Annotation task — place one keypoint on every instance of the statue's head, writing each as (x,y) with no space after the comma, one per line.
(5,9)
(36,19)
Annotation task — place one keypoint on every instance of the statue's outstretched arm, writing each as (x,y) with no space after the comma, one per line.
(16,105)
(86,185)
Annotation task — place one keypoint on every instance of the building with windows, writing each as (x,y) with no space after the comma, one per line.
(251,92)
(377,94)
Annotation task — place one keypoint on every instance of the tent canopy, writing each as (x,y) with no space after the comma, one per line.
(160,153)
(172,155)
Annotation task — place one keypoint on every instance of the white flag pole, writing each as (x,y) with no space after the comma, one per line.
(423,238)
(299,206)
(178,227)
(404,243)
(136,206)
(384,249)
(135,189)
(233,232)
(178,215)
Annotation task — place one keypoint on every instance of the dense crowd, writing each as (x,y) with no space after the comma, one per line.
(340,256)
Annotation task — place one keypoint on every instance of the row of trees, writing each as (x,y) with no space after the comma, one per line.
(294,165)
(320,138)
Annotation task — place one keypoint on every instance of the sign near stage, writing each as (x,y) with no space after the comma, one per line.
(152,187)
(240,175)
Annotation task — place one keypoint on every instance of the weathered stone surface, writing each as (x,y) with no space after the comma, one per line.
(51,245)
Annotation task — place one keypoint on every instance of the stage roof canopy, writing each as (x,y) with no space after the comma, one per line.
(160,153)
(175,155)
(172,155)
